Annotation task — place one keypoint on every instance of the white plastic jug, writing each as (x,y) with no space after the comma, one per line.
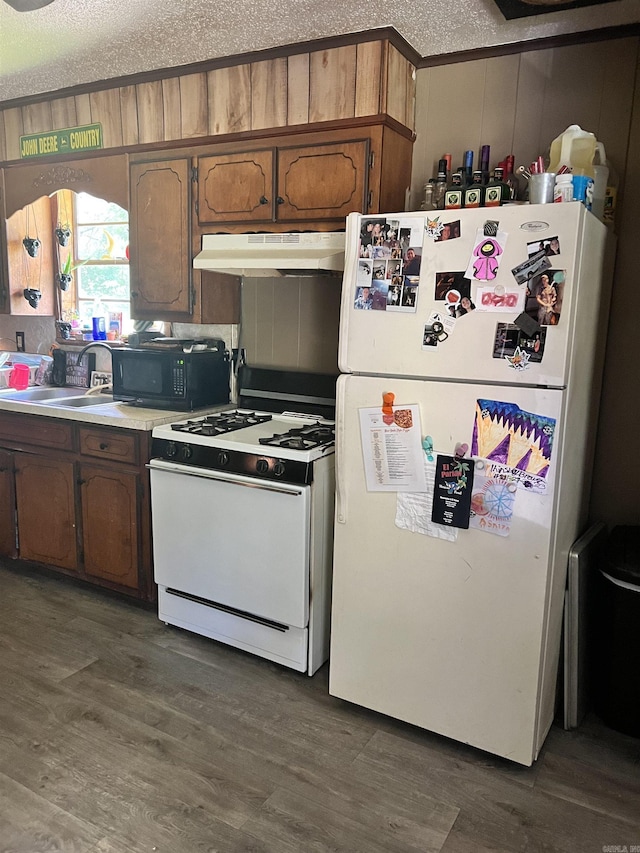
(574,148)
(600,181)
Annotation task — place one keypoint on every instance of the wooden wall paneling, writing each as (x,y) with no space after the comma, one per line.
(83,109)
(298,89)
(34,220)
(499,104)
(37,117)
(398,95)
(105,108)
(576,94)
(13,129)
(229,99)
(614,494)
(193,105)
(171,108)
(619,59)
(129,115)
(368,78)
(318,325)
(269,93)
(3,138)
(332,89)
(63,113)
(534,77)
(150,114)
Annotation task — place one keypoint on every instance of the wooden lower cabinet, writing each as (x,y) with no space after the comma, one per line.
(7,506)
(76,498)
(45,502)
(110,537)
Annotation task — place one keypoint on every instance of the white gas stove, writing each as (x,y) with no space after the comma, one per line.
(242,507)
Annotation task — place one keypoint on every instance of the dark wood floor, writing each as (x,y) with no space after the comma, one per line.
(121,735)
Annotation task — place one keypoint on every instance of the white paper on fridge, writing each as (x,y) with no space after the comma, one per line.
(392,449)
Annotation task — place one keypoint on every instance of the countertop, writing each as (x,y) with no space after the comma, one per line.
(122,415)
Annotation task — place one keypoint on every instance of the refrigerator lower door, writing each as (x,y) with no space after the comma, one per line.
(459,637)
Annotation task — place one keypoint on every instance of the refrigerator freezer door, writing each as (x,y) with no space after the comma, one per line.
(390,341)
(452,636)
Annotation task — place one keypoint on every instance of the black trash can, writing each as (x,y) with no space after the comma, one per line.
(617,699)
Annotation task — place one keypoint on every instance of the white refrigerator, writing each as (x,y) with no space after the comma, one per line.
(471,348)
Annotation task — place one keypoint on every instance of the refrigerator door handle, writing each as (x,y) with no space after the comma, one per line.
(341,497)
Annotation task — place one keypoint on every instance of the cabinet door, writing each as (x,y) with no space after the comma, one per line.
(7,506)
(45,497)
(110,524)
(236,187)
(160,240)
(322,181)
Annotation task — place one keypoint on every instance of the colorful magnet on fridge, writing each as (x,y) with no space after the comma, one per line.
(427,446)
(387,407)
(434,227)
(461,450)
(519,360)
(490,228)
(485,266)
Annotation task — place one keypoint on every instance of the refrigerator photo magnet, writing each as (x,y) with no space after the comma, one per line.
(452,491)
(392,449)
(544,297)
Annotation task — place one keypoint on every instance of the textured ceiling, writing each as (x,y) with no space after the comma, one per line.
(71,42)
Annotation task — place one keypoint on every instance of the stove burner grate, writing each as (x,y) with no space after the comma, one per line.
(302,438)
(221,423)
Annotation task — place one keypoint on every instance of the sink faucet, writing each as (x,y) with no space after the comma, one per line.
(98,388)
(94,344)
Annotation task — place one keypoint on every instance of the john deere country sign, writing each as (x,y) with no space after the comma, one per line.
(69,141)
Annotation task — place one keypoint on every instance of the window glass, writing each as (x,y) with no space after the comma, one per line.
(102,267)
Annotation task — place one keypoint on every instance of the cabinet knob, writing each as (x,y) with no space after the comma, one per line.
(80,481)
(103,446)
(134,294)
(264,199)
(280,200)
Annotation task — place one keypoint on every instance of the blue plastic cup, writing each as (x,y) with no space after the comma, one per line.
(582,189)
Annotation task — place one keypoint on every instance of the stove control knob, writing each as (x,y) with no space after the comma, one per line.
(223,458)
(171,449)
(278,469)
(262,466)
(186,452)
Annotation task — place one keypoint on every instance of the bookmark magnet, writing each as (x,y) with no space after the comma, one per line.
(427,446)
(387,407)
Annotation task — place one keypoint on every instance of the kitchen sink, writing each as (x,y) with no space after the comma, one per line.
(80,402)
(39,395)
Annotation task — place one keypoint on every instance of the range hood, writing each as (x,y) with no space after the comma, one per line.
(272,254)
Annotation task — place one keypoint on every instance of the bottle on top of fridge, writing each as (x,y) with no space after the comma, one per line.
(447,159)
(454,194)
(484,162)
(427,202)
(468,166)
(510,179)
(496,191)
(474,193)
(573,148)
(440,186)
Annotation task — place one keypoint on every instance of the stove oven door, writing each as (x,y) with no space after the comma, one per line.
(236,542)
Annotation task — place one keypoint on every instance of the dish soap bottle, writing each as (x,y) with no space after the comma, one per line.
(99,321)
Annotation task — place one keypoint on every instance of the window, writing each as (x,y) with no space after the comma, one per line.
(101,264)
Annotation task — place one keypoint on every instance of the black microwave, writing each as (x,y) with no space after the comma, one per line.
(170,378)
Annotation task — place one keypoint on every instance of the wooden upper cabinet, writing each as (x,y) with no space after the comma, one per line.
(160,239)
(236,187)
(322,181)
(309,182)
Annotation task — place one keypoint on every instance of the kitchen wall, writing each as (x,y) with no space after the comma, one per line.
(40,333)
(292,322)
(518,104)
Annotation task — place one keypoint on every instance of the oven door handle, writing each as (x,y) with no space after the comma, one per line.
(206,474)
